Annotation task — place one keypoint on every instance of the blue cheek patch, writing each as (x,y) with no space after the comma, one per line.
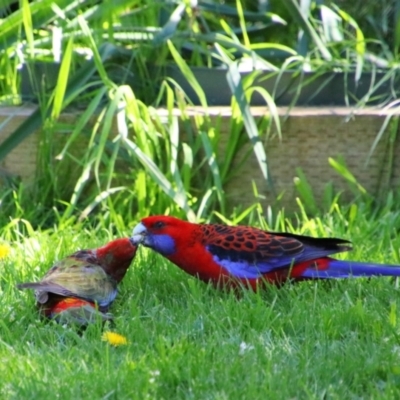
(164,244)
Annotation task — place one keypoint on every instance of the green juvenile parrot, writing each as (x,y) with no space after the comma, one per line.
(81,287)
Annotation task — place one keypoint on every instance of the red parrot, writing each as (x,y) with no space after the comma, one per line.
(241,255)
(82,286)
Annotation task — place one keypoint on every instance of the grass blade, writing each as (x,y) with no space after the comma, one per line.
(235,84)
(178,197)
(360,45)
(212,162)
(28,26)
(342,169)
(169,29)
(187,72)
(76,85)
(305,192)
(62,81)
(303,20)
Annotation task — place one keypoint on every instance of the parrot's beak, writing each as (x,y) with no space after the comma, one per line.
(138,234)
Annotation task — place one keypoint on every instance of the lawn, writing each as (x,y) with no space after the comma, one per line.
(313,340)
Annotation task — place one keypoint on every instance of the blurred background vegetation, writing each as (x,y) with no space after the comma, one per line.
(104,61)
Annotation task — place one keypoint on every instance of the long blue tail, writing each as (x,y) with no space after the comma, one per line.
(338,269)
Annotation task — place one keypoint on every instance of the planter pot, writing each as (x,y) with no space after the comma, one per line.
(37,78)
(288,88)
(311,88)
(309,136)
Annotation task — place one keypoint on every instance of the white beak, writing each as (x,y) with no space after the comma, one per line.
(138,234)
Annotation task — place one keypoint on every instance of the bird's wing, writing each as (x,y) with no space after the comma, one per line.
(76,279)
(249,253)
(42,288)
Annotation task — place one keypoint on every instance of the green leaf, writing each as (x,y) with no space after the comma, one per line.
(341,168)
(187,72)
(41,14)
(305,192)
(250,16)
(75,86)
(303,21)
(235,84)
(242,22)
(331,24)
(178,197)
(28,26)
(212,162)
(169,29)
(360,46)
(62,80)
(397,28)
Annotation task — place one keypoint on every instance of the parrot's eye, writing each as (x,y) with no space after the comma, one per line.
(159,225)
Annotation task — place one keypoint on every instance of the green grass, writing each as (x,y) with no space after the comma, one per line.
(314,340)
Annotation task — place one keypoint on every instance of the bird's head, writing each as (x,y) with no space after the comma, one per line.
(116,256)
(161,233)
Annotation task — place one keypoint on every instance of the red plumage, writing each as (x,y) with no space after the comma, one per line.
(232,255)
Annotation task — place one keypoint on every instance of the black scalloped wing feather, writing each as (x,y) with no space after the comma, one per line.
(268,250)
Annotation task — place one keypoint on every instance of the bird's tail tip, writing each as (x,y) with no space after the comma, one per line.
(336,269)
(27,285)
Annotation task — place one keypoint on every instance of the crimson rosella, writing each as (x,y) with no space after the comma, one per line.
(82,286)
(232,255)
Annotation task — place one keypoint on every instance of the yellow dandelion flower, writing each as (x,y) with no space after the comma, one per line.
(114,338)
(4,250)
